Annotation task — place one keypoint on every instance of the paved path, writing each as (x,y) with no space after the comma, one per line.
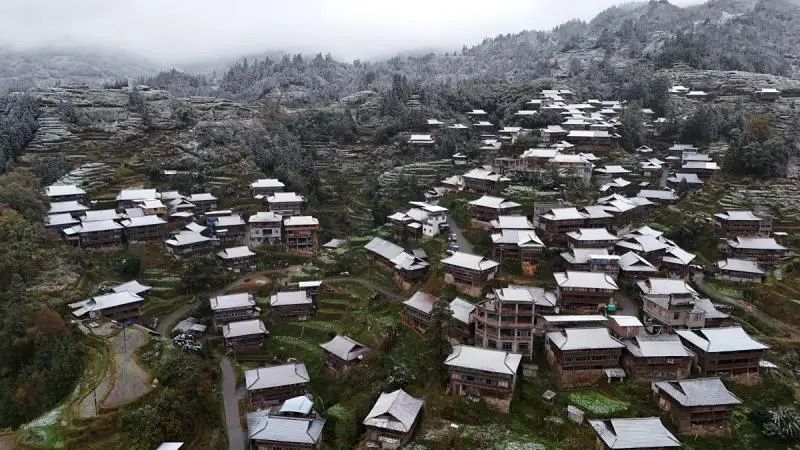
(230,399)
(130,380)
(793,333)
(369,285)
(463,244)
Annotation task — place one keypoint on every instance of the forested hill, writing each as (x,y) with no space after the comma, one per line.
(761,36)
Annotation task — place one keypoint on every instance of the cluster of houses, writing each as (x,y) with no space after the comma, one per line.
(188,225)
(684,346)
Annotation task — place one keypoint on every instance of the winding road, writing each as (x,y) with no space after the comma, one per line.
(230,399)
(793,334)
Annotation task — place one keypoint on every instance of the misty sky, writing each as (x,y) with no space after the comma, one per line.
(181,31)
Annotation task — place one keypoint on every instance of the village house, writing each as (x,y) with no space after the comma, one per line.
(312,288)
(553,133)
(581,355)
(230,230)
(728,351)
(264,228)
(671,303)
(599,238)
(187,243)
(244,334)
(58,222)
(700,406)
(64,193)
(300,234)
(233,307)
(237,257)
(392,420)
(101,214)
(524,245)
(766,251)
(508,320)
(482,181)
(292,425)
(291,305)
(577,167)
(153,208)
(743,223)
(472,271)
(676,261)
(342,352)
(416,313)
(145,228)
(488,208)
(421,140)
(640,433)
(734,270)
(559,221)
(286,203)
(684,181)
(591,260)
(592,140)
(265,187)
(461,328)
(659,196)
(625,210)
(647,246)
(129,198)
(422,219)
(134,287)
(407,268)
(269,386)
(584,292)
(118,306)
(100,233)
(203,202)
(625,327)
(488,374)
(767,94)
(657,357)
(71,207)
(633,267)
(703,169)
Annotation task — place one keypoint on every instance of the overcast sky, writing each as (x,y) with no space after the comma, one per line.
(180,31)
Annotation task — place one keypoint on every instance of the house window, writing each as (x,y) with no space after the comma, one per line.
(507,346)
(492,344)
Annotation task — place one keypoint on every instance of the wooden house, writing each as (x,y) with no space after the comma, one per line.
(230,230)
(700,406)
(743,223)
(292,425)
(342,352)
(392,420)
(145,228)
(508,321)
(300,234)
(286,203)
(584,292)
(407,268)
(766,251)
(100,233)
(734,270)
(244,334)
(485,373)
(291,305)
(232,308)
(726,351)
(187,243)
(591,238)
(65,193)
(119,306)
(581,355)
(482,181)
(488,208)
(656,357)
(266,186)
(268,386)
(237,257)
(469,270)
(264,228)
(640,433)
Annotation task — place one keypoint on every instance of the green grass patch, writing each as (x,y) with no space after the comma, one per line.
(597,403)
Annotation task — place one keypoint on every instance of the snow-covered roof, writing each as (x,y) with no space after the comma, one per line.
(267,183)
(230,301)
(134,287)
(143,221)
(740,265)
(236,252)
(739,216)
(60,190)
(563,214)
(698,392)
(137,194)
(512,223)
(61,219)
(66,207)
(462,310)
(592,280)
(345,348)
(396,411)
(287,298)
(276,376)
(97,225)
(592,234)
(107,301)
(635,433)
(626,321)
(484,359)
(266,427)
(244,328)
(201,197)
(264,217)
(665,286)
(470,261)
(632,262)
(186,237)
(583,339)
(421,301)
(300,221)
(521,238)
(755,243)
(661,346)
(728,339)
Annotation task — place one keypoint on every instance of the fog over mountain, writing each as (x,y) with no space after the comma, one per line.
(182,32)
